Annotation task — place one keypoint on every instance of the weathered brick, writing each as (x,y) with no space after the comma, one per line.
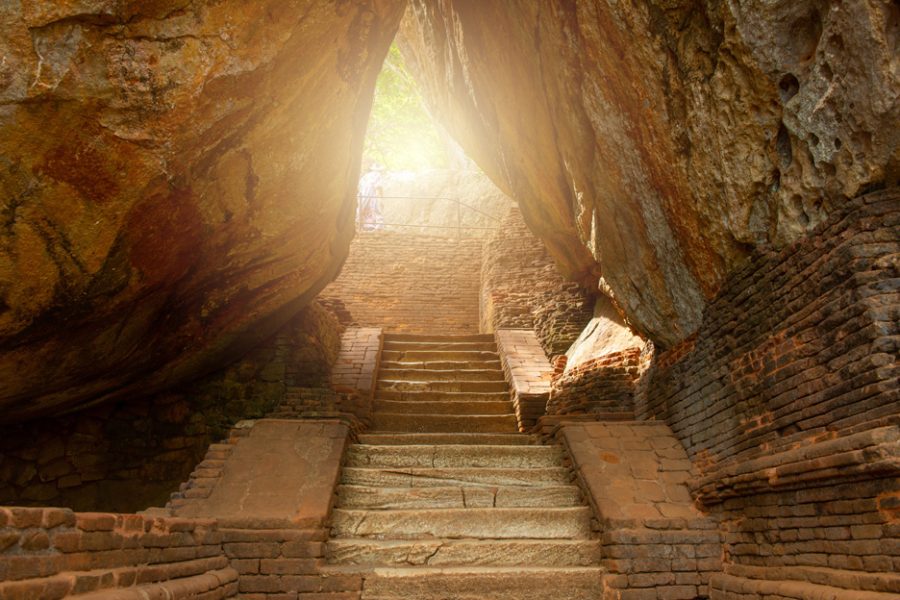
(252,550)
(288,566)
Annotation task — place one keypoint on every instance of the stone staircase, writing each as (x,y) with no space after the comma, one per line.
(444,499)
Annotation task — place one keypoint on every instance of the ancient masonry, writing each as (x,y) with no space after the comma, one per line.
(416,283)
(409,283)
(756,461)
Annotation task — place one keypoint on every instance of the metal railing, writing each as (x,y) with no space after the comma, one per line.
(458,227)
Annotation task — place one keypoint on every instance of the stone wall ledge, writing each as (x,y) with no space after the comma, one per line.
(840,578)
(52,553)
(213,585)
(865,455)
(304,459)
(527,371)
(729,587)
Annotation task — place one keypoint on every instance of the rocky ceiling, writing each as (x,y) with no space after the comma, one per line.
(177,177)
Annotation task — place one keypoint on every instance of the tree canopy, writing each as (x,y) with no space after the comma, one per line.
(401,133)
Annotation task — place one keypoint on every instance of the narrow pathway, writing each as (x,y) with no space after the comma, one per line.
(446,500)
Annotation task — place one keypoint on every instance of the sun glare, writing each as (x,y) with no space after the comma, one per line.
(402,136)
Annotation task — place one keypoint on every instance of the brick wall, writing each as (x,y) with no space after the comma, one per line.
(800,346)
(356,368)
(787,402)
(521,288)
(273,522)
(597,386)
(656,543)
(526,368)
(410,283)
(52,553)
(130,455)
(597,375)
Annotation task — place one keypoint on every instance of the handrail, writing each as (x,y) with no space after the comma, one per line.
(457,200)
(459,204)
(432,226)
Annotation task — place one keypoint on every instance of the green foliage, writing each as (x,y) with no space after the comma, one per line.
(401,133)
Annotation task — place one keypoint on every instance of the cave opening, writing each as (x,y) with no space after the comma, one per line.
(614,355)
(413,173)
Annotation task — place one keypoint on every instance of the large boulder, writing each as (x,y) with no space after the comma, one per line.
(653,144)
(177,179)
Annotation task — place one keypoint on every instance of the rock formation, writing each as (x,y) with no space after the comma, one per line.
(177,179)
(654,144)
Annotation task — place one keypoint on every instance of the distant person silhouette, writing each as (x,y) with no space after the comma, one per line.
(368,211)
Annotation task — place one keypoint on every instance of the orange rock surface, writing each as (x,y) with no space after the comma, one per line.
(652,145)
(176,180)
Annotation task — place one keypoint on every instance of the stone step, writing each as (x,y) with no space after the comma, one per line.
(426,337)
(444,423)
(442,396)
(480,583)
(416,477)
(404,346)
(442,365)
(494,523)
(491,439)
(452,407)
(497,457)
(496,385)
(429,375)
(439,355)
(388,498)
(454,553)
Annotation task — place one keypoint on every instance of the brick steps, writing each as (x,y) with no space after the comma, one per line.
(446,481)
(459,496)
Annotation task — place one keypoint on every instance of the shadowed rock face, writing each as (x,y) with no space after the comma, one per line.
(652,144)
(176,180)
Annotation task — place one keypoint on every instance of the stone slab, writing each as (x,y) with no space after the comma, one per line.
(494,523)
(473,583)
(451,374)
(627,469)
(517,439)
(282,470)
(405,385)
(451,407)
(446,552)
(470,456)
(385,498)
(424,477)
(411,422)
